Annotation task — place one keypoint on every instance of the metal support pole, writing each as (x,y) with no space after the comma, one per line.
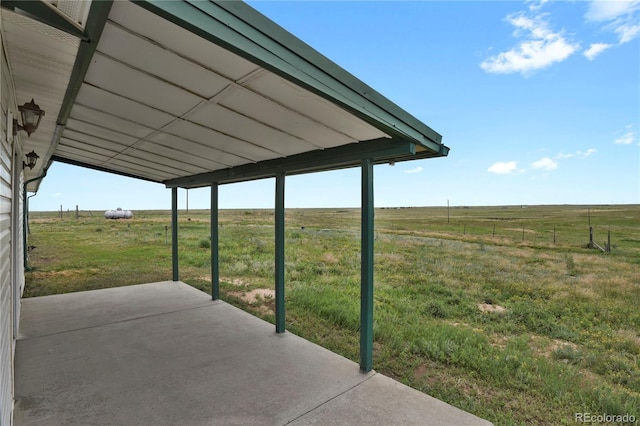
(174,232)
(215,263)
(279,256)
(366,271)
(25,227)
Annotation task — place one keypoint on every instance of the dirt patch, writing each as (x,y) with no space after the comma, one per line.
(558,343)
(544,347)
(262,299)
(257,295)
(420,372)
(487,307)
(329,258)
(235,281)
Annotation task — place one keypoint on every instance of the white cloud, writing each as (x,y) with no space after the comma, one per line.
(578,154)
(502,168)
(540,48)
(625,139)
(599,11)
(416,170)
(586,153)
(595,49)
(545,163)
(621,17)
(562,156)
(536,5)
(627,32)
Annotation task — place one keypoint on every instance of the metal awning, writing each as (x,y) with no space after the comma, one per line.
(202,93)
(193,92)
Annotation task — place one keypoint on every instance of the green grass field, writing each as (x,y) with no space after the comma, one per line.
(500,311)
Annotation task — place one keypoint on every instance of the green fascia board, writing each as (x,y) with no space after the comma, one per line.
(46,14)
(379,150)
(239,28)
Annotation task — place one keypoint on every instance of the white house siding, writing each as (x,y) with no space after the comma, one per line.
(17,265)
(8,275)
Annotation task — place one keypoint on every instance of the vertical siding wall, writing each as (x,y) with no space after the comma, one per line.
(8,248)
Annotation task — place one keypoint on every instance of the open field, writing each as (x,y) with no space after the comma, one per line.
(501,311)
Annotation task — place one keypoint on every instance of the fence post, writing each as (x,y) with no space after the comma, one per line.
(591,237)
(609,241)
(554,235)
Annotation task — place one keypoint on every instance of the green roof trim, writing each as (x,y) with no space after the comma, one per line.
(379,150)
(239,28)
(47,14)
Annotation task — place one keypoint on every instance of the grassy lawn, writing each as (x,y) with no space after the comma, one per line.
(500,311)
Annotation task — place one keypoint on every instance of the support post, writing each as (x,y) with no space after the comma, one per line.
(25,227)
(279,255)
(215,262)
(174,232)
(366,271)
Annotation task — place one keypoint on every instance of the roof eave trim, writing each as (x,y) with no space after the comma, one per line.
(379,150)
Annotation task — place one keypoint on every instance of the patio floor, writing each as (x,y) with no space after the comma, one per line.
(166,354)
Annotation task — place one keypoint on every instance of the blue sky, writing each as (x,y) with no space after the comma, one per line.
(539,102)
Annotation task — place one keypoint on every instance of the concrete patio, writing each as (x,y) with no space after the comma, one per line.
(165,354)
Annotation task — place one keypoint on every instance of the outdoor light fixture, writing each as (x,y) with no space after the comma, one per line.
(32,159)
(31,116)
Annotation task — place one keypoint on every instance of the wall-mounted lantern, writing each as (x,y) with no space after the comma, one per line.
(31,116)
(32,159)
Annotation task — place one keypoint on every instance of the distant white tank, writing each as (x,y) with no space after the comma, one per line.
(118,214)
